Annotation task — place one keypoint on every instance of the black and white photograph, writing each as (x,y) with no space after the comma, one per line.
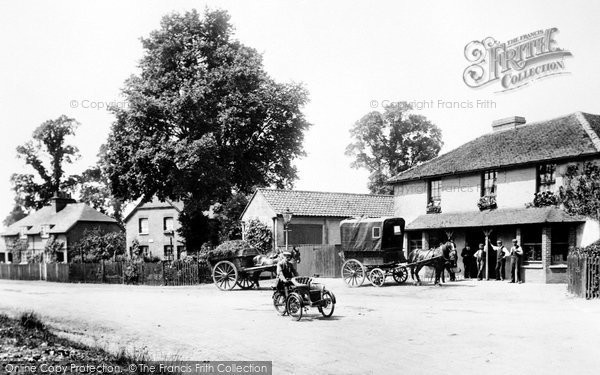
(261,187)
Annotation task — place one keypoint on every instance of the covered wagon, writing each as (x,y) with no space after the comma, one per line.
(373,248)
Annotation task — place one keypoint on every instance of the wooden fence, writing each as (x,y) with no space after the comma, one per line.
(583,275)
(322,260)
(161,273)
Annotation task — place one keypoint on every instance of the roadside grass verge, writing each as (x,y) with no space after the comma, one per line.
(27,340)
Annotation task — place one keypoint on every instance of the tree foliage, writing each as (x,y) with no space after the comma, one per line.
(259,236)
(17,247)
(15,215)
(52,248)
(391,142)
(46,153)
(204,119)
(96,245)
(228,215)
(95,190)
(580,193)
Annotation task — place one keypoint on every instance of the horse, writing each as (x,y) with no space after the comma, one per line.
(437,259)
(271,259)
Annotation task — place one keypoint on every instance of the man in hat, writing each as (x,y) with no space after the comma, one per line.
(480,258)
(501,254)
(285,271)
(516,255)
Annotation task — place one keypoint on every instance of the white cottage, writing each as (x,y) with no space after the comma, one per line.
(480,191)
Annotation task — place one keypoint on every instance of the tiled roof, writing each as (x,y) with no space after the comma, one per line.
(60,221)
(319,203)
(563,137)
(492,218)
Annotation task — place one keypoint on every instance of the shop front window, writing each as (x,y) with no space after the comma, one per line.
(559,247)
(415,241)
(531,241)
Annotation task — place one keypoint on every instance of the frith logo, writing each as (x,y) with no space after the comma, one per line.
(515,63)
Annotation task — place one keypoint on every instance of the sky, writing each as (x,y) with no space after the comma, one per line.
(72,57)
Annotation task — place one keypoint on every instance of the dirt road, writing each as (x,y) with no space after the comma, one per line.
(465,327)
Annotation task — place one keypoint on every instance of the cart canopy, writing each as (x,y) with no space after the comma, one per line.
(372,234)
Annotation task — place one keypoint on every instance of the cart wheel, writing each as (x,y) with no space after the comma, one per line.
(225,275)
(353,273)
(279,303)
(400,274)
(377,277)
(295,306)
(329,299)
(245,281)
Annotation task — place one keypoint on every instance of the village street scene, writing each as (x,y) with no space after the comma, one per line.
(226,187)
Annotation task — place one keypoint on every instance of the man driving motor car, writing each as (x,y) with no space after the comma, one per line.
(285,272)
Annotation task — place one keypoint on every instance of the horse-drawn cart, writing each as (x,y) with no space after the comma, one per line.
(237,268)
(372,249)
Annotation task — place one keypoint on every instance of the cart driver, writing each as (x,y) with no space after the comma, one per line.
(285,272)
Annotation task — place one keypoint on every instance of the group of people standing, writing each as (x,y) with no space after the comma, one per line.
(475,261)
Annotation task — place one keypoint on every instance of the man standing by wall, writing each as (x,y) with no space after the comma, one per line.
(516,255)
(501,254)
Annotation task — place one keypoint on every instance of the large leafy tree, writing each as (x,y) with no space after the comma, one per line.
(46,153)
(391,142)
(204,120)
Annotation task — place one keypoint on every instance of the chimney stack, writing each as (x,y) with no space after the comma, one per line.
(60,200)
(508,123)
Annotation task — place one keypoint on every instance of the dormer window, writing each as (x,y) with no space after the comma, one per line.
(376,232)
(45,231)
(546,178)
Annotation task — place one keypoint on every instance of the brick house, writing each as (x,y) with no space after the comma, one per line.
(63,219)
(316,215)
(502,171)
(154,225)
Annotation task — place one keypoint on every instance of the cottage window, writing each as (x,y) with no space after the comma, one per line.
(144,250)
(434,192)
(168,224)
(376,232)
(180,250)
(546,179)
(168,252)
(45,231)
(143,226)
(2,258)
(488,184)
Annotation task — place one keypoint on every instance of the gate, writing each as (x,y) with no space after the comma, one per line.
(322,260)
(583,275)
